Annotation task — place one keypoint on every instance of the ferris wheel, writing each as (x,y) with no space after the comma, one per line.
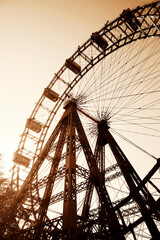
(87,164)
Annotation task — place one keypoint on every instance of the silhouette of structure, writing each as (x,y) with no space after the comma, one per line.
(72,178)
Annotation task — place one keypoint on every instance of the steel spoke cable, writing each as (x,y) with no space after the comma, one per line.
(146,72)
(135,120)
(139,97)
(133,95)
(119,68)
(151,104)
(133,144)
(140,92)
(127,101)
(89,100)
(100,86)
(89,80)
(118,97)
(96,98)
(143,108)
(96,71)
(140,66)
(137,132)
(134,59)
(127,72)
(133,83)
(121,123)
(110,68)
(135,117)
(141,126)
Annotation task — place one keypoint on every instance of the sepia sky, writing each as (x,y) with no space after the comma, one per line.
(36,38)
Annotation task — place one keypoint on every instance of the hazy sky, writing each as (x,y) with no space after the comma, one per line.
(36,38)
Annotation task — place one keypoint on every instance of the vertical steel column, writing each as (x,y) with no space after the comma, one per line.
(70,204)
